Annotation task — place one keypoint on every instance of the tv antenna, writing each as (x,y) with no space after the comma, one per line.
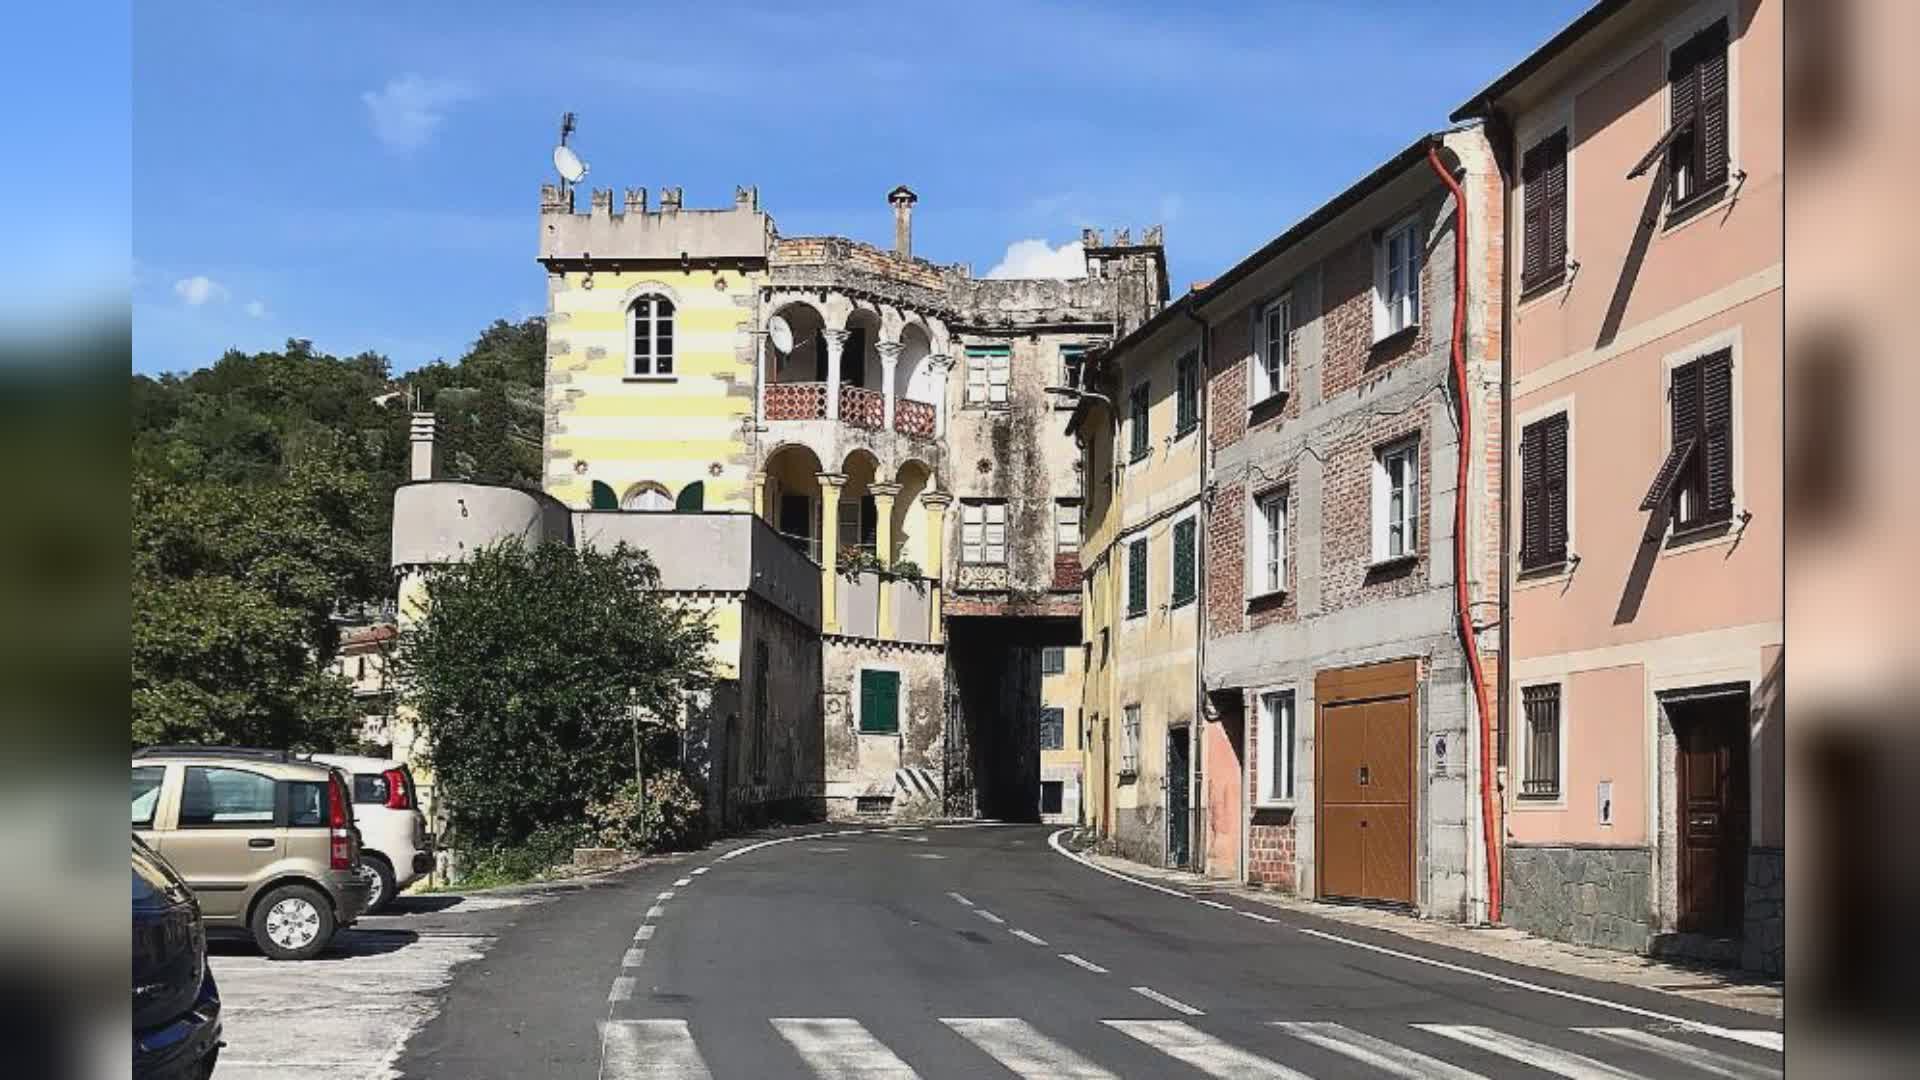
(565,161)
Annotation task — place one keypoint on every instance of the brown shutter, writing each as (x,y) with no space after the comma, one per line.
(1556,205)
(1716,376)
(1686,402)
(1712,134)
(1533,517)
(1554,486)
(1533,215)
(1683,82)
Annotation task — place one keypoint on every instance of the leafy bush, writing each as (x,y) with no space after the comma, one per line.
(670,819)
(509,864)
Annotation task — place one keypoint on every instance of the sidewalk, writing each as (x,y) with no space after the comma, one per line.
(1728,989)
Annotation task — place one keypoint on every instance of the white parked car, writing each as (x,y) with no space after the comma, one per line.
(395,847)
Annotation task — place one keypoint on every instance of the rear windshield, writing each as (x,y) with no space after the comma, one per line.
(370,787)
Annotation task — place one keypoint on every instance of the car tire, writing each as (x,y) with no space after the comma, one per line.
(384,885)
(293,922)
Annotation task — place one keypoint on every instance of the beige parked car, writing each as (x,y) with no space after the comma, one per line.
(265,839)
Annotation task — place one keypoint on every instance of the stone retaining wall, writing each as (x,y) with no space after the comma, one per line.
(1585,895)
(1765,946)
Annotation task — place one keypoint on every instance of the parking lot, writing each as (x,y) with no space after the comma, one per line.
(349,1012)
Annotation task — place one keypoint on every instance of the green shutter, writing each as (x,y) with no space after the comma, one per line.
(879,702)
(604,498)
(1137,578)
(1183,585)
(1140,434)
(693,497)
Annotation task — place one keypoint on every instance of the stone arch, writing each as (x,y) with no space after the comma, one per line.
(909,516)
(859,522)
(648,496)
(860,363)
(808,360)
(914,376)
(793,496)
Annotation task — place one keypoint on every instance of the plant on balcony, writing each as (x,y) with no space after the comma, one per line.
(909,571)
(855,561)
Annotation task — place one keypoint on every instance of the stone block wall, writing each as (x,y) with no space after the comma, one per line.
(1764,948)
(1584,895)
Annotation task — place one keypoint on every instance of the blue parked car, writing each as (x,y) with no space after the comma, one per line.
(176,1006)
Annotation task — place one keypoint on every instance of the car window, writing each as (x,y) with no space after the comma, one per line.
(306,804)
(214,798)
(369,788)
(146,793)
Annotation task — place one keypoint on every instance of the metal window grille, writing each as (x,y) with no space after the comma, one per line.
(1542,707)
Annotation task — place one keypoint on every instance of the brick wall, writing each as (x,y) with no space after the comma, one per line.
(1227,394)
(1270,833)
(1348,577)
(1226,534)
(1350,358)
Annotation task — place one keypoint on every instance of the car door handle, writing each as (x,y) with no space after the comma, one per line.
(260,841)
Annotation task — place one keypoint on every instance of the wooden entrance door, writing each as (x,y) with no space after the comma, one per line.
(1712,799)
(1363,773)
(1178,815)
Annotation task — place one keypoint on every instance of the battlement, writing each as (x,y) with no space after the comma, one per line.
(637,232)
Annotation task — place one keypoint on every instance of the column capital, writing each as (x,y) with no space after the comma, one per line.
(889,349)
(940,360)
(883,490)
(831,480)
(937,500)
(837,337)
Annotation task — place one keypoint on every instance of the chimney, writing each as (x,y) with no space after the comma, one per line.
(902,199)
(424,461)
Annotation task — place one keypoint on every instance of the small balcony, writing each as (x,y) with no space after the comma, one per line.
(797,401)
(863,408)
(913,418)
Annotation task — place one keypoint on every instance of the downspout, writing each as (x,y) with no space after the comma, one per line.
(1196,797)
(1462,598)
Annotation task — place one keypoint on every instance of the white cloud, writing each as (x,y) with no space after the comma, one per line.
(406,113)
(199,289)
(257,309)
(1037,259)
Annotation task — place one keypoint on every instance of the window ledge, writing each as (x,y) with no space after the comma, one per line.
(1397,336)
(1176,605)
(1395,562)
(1181,433)
(1276,804)
(1523,802)
(1703,535)
(1681,213)
(1268,407)
(1546,286)
(1549,571)
(1136,459)
(650,378)
(1265,599)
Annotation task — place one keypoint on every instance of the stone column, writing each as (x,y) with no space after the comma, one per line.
(836,344)
(830,485)
(942,364)
(936,503)
(883,547)
(889,358)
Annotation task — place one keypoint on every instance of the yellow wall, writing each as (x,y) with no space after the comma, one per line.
(672,431)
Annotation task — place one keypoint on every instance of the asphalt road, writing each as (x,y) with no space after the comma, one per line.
(982,951)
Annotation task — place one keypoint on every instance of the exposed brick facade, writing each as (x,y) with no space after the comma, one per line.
(1226,543)
(1348,576)
(1270,833)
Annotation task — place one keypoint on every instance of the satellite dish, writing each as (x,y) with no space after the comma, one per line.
(781,332)
(568,165)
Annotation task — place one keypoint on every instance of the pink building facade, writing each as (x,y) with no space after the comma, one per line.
(1642,740)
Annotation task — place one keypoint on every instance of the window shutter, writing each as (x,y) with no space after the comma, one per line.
(1683,83)
(1686,402)
(1555,210)
(1533,230)
(1554,488)
(1137,578)
(1716,376)
(1712,63)
(879,701)
(1533,508)
(1183,562)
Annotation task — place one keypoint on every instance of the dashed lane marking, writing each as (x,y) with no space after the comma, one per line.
(622,989)
(963,900)
(668,895)
(1175,1004)
(990,916)
(656,911)
(683,883)
(1255,916)
(1029,938)
(1082,962)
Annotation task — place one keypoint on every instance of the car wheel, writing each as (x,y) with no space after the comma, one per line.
(293,922)
(380,877)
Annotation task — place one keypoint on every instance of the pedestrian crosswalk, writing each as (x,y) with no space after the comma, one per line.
(841,1048)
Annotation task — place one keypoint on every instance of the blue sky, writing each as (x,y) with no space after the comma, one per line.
(367,176)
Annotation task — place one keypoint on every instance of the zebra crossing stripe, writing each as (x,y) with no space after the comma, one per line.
(1376,1052)
(1683,1053)
(1539,1055)
(1198,1050)
(1021,1048)
(1176,1005)
(841,1049)
(650,1050)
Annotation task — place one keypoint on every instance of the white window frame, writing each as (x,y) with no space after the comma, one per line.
(1523,751)
(1409,521)
(1286,749)
(989,375)
(1130,731)
(650,369)
(983,532)
(1066,515)
(1390,318)
(1266,383)
(1269,568)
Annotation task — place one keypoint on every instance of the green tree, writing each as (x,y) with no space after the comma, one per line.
(525,673)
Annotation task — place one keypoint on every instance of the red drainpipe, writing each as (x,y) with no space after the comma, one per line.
(1489,803)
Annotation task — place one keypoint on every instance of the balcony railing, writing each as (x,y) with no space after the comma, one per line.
(862,407)
(913,418)
(797,401)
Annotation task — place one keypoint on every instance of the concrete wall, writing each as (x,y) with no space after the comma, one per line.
(709,552)
(907,767)
(631,230)
(444,521)
(784,778)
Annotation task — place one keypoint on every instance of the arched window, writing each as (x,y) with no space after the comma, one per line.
(651,321)
(603,497)
(649,497)
(693,497)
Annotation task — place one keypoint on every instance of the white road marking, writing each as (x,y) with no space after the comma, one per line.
(645,933)
(1081,962)
(1020,1047)
(633,958)
(1255,916)
(1527,1052)
(963,900)
(656,911)
(1029,938)
(701,870)
(622,989)
(990,916)
(842,1050)
(668,895)
(1377,1052)
(683,883)
(1202,1051)
(928,855)
(1216,904)
(1765,1039)
(649,1050)
(1176,1005)
(1683,1053)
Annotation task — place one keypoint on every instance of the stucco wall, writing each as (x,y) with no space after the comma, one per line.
(728,552)
(444,521)
(906,766)
(791,784)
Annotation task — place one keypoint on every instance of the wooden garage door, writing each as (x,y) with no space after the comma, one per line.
(1363,773)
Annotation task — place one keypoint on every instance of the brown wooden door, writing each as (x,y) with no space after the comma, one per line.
(1712,771)
(1364,778)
